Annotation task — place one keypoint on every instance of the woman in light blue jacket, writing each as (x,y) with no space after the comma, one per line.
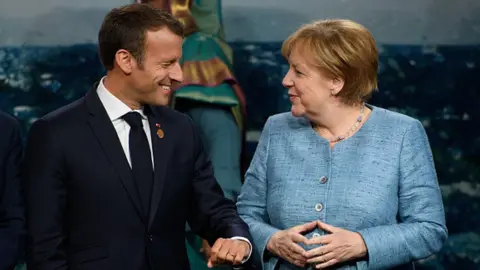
(337,182)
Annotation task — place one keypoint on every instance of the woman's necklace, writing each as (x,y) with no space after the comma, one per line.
(352,129)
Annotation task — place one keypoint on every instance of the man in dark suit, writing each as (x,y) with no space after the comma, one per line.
(12,216)
(113,177)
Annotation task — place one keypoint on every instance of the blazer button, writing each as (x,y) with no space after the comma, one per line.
(318,207)
(150,238)
(323,179)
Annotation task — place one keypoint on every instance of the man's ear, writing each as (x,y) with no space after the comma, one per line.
(125,61)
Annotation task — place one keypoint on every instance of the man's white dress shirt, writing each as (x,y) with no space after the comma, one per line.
(116,109)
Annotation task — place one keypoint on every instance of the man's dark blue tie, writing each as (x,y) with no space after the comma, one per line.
(141,158)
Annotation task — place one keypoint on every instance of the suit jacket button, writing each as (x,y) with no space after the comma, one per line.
(150,238)
(323,179)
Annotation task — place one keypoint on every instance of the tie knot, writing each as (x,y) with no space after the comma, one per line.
(134,119)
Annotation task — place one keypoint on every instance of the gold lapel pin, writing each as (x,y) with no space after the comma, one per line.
(160,132)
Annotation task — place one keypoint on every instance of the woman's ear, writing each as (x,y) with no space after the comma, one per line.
(336,85)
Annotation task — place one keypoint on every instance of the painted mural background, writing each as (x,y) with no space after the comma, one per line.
(430,68)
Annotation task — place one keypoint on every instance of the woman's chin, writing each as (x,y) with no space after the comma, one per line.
(297,112)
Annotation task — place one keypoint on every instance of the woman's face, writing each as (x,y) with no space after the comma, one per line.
(307,88)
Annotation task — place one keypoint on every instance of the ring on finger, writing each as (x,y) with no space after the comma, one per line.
(233,256)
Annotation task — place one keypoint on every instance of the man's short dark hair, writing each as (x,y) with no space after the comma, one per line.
(126,27)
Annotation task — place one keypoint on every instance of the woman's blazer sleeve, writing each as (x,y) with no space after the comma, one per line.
(421,229)
(252,202)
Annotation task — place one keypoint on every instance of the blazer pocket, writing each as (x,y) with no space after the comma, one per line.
(89,254)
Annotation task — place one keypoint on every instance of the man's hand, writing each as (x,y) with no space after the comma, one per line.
(206,249)
(228,252)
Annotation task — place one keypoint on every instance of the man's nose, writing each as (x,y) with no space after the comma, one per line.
(176,73)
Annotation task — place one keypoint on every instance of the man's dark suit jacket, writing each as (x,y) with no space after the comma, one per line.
(83,208)
(12,216)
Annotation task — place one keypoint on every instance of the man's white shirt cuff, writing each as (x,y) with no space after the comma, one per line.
(250,244)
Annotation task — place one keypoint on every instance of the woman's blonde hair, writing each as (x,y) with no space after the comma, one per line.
(339,49)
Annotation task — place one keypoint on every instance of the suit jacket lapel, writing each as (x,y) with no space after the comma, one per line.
(162,150)
(108,139)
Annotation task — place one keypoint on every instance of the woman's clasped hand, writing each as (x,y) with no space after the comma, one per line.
(336,246)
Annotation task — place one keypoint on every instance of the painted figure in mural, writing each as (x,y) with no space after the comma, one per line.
(210,95)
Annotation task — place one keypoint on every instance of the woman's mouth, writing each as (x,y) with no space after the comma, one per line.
(292,97)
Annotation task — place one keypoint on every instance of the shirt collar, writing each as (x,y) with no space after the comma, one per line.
(115,107)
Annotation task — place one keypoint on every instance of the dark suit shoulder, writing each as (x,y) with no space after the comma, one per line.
(186,137)
(170,113)
(174,118)
(9,127)
(8,122)
(67,114)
